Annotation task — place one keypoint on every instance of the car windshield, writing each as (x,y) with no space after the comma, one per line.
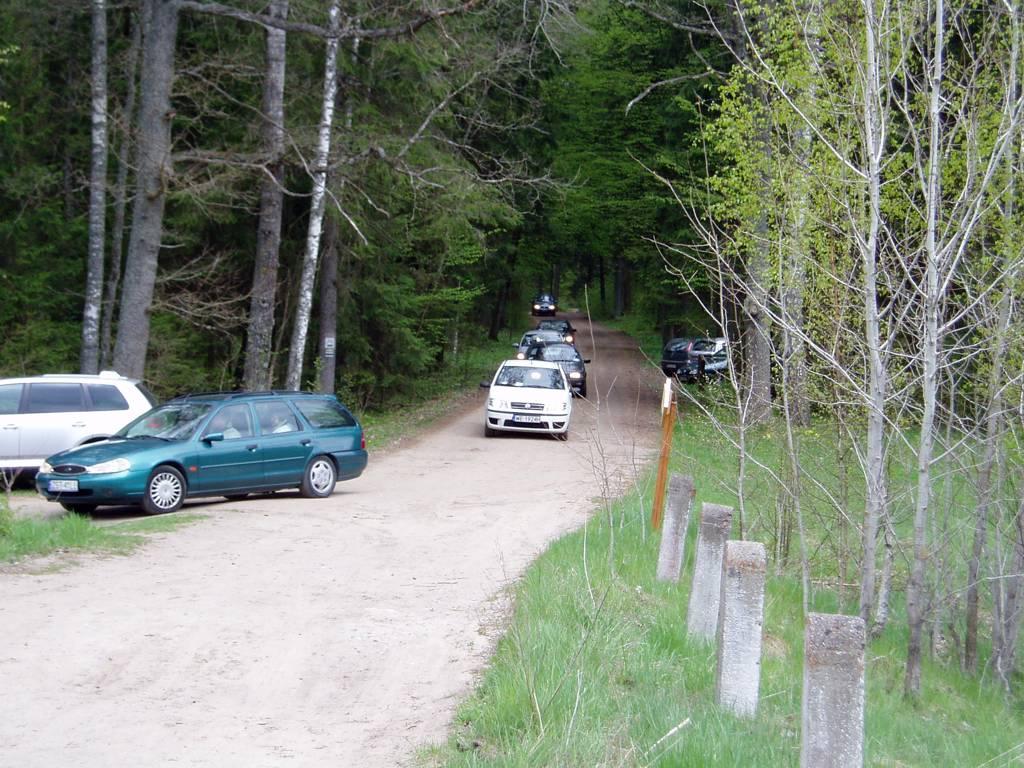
(523,376)
(532,337)
(546,297)
(678,345)
(554,325)
(559,353)
(703,345)
(174,421)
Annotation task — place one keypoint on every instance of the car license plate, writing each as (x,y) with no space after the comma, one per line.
(62,485)
(526,419)
(670,366)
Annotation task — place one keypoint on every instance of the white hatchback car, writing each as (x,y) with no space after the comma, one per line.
(42,415)
(528,396)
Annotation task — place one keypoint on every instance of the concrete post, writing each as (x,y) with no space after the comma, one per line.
(673,532)
(702,615)
(833,699)
(740,620)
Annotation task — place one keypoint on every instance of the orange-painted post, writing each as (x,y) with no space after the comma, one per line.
(668,420)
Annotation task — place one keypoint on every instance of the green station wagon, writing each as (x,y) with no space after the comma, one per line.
(217,444)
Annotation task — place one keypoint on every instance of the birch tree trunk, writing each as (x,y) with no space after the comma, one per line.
(917,598)
(875,503)
(304,304)
(258,372)
(160,30)
(124,152)
(90,353)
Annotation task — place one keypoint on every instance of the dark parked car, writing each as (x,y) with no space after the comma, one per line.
(537,336)
(568,358)
(675,355)
(544,304)
(707,358)
(216,444)
(563,326)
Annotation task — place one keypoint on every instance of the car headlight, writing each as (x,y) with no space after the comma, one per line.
(568,338)
(536,306)
(520,356)
(575,375)
(46,468)
(108,467)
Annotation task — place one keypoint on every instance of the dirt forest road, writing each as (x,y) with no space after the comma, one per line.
(286,631)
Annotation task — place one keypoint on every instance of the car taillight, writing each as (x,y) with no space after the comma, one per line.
(362,441)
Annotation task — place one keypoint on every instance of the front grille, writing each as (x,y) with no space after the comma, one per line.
(69,469)
(528,406)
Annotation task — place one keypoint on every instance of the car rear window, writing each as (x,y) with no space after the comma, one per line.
(324,414)
(10,396)
(55,398)
(106,397)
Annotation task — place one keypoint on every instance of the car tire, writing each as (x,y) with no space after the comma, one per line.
(563,436)
(165,491)
(79,509)
(488,432)
(319,478)
(583,391)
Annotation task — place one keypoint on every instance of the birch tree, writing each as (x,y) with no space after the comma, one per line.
(318,171)
(90,356)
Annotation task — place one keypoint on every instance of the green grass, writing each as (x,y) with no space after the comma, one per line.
(21,538)
(596,667)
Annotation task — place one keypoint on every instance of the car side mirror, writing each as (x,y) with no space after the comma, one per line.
(515,346)
(485,385)
(213,437)
(586,359)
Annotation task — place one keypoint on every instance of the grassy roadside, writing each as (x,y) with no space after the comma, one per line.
(596,667)
(32,538)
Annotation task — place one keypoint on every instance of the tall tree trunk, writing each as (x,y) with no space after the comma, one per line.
(875,502)
(329,306)
(90,353)
(124,162)
(993,432)
(757,360)
(917,595)
(304,305)
(258,370)
(620,286)
(160,31)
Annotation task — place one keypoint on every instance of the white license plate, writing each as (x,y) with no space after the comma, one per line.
(62,485)
(670,366)
(526,419)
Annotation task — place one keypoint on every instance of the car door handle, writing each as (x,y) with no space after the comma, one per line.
(251,447)
(306,442)
(78,424)
(10,426)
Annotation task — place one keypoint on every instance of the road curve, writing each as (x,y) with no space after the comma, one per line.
(283,630)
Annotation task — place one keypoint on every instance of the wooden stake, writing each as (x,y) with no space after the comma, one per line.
(668,420)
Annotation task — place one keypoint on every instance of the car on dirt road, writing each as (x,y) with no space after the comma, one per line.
(40,415)
(537,336)
(568,357)
(561,325)
(544,304)
(215,444)
(528,396)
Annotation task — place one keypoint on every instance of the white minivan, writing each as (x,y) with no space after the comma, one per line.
(42,415)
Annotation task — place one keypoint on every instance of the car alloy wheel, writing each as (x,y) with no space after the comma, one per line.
(165,491)
(319,479)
